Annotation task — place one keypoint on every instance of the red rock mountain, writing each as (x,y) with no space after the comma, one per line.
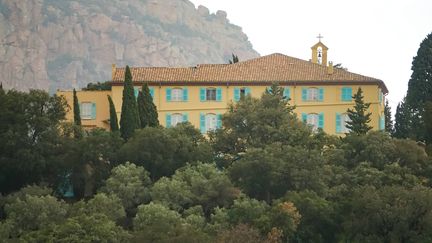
(60,44)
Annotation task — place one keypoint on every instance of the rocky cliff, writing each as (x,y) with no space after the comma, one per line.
(60,44)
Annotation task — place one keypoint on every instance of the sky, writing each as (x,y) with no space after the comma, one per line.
(376,38)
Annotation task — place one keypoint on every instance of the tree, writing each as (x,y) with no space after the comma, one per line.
(359,118)
(131,184)
(129,120)
(388,119)
(113,115)
(420,88)
(98,86)
(147,111)
(402,127)
(235,59)
(76,109)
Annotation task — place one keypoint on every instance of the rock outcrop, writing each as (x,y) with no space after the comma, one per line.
(60,44)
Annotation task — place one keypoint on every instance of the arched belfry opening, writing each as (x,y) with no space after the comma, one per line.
(319,52)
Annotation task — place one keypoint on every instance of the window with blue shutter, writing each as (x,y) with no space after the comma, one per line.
(152,92)
(168,94)
(321,120)
(219,121)
(202,123)
(136,92)
(185,94)
(338,123)
(286,93)
(185,117)
(381,123)
(202,94)
(236,94)
(304,94)
(93,111)
(168,120)
(320,94)
(218,94)
(380,95)
(247,91)
(346,94)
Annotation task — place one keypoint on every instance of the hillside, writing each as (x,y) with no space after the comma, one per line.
(52,44)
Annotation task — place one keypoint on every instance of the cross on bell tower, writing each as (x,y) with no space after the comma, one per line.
(319,52)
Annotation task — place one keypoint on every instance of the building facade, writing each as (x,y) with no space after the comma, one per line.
(201,94)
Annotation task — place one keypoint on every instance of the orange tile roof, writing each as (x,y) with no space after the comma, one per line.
(271,68)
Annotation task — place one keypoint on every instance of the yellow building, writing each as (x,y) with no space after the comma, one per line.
(201,94)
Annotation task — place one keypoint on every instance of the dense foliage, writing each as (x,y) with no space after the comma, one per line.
(147,111)
(263,177)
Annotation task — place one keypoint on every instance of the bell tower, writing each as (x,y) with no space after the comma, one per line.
(319,52)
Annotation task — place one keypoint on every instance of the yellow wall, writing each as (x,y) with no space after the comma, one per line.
(331,104)
(102,107)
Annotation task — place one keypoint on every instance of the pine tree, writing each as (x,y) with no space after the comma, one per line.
(129,120)
(146,108)
(113,115)
(402,121)
(420,89)
(76,109)
(359,116)
(388,118)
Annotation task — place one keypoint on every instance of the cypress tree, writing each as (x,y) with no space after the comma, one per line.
(129,120)
(359,116)
(146,108)
(76,109)
(388,118)
(402,121)
(420,89)
(113,115)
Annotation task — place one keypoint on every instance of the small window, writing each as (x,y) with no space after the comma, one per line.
(312,94)
(210,94)
(177,94)
(312,119)
(88,110)
(176,119)
(346,94)
(210,122)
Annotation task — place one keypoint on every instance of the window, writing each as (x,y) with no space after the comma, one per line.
(210,122)
(342,122)
(312,94)
(239,92)
(314,120)
(346,94)
(211,94)
(176,94)
(88,110)
(382,122)
(137,90)
(173,119)
(286,93)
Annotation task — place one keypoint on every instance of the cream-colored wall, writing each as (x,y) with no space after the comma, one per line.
(102,107)
(331,104)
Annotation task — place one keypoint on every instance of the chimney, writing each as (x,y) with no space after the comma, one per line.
(113,70)
(330,68)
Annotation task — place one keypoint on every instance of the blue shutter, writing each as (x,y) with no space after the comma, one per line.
(343,94)
(93,111)
(286,93)
(247,91)
(346,94)
(236,94)
(338,123)
(380,95)
(185,94)
(202,94)
(219,120)
(320,94)
(321,120)
(202,123)
(218,94)
(152,92)
(304,94)
(185,117)
(168,94)
(168,120)
(381,123)
(304,117)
